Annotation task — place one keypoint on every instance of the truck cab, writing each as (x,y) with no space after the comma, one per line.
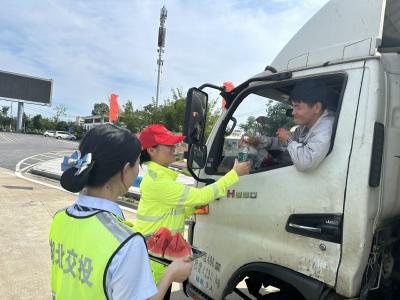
(331,232)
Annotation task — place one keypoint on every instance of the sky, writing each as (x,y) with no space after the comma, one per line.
(92,48)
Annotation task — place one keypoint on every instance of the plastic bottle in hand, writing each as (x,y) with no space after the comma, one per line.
(243,154)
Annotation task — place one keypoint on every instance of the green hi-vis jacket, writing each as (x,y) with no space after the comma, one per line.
(167,203)
(81,249)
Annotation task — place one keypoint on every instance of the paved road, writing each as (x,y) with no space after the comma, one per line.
(15,147)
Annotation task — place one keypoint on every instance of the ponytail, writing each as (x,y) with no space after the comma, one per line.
(75,183)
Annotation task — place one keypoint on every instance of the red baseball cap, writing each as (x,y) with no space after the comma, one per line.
(157,134)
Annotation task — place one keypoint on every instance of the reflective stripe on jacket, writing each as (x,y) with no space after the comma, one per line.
(167,203)
(81,248)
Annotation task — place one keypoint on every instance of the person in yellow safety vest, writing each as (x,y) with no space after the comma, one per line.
(165,202)
(95,253)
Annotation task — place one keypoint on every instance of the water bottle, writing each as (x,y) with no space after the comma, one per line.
(243,154)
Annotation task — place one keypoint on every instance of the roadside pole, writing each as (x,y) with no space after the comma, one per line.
(19,116)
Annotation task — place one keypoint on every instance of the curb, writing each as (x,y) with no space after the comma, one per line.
(45,174)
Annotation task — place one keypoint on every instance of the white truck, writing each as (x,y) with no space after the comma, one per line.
(329,233)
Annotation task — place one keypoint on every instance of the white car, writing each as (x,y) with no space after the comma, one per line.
(64,135)
(49,133)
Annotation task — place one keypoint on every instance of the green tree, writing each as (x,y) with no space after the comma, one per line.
(130,117)
(47,124)
(213,114)
(151,114)
(276,117)
(62,125)
(171,114)
(27,123)
(173,111)
(37,122)
(77,130)
(100,109)
(251,126)
(5,121)
(4,111)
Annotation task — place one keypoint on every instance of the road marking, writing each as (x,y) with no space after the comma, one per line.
(6,139)
(35,158)
(18,166)
(24,163)
(56,155)
(58,152)
(50,155)
(28,167)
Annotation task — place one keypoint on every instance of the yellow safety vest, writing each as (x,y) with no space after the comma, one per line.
(167,203)
(81,250)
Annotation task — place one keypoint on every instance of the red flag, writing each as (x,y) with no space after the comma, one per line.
(114,108)
(228,87)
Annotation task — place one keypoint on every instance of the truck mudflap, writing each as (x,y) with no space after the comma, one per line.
(195,293)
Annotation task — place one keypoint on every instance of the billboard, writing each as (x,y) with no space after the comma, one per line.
(24,88)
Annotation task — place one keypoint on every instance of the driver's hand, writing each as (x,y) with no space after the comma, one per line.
(248,140)
(283,135)
(242,168)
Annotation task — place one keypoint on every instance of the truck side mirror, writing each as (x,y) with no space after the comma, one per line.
(197,157)
(195,116)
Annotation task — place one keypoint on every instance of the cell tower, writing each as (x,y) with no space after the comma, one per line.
(161,44)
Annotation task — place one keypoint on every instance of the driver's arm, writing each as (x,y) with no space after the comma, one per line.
(307,156)
(267,142)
